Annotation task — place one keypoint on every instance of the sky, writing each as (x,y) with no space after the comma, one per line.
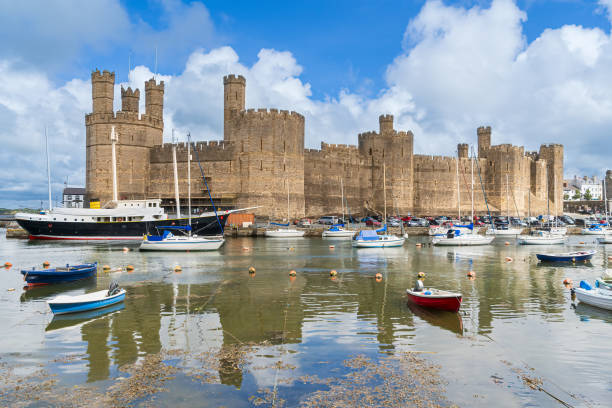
(535,71)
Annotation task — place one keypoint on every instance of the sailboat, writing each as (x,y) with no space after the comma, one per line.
(337,230)
(188,241)
(288,232)
(510,230)
(371,238)
(458,237)
(607,232)
(552,236)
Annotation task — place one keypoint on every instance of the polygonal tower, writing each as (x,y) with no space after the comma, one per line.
(234,90)
(484,140)
(130,100)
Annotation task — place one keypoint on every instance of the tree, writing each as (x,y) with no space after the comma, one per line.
(565,197)
(576,195)
(587,195)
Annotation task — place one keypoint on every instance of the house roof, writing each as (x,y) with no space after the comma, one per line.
(74,190)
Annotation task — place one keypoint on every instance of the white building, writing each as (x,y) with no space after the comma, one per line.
(582,184)
(73,197)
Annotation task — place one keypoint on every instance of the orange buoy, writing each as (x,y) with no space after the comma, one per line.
(292,273)
(291,249)
(129,268)
(331,247)
(246,249)
(7,265)
(379,276)
(418,245)
(251,270)
(333,272)
(506,243)
(567,281)
(581,242)
(106,268)
(421,274)
(471,274)
(508,259)
(178,268)
(46,264)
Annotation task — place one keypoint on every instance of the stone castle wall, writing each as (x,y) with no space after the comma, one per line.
(262,156)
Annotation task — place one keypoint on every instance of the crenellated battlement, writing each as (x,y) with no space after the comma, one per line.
(104,76)
(123,117)
(508,149)
(234,79)
(338,147)
(264,114)
(213,150)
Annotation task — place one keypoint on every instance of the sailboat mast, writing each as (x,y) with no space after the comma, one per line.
(385,192)
(342,199)
(458,190)
(189,176)
(48,169)
(555,197)
(605,196)
(176,184)
(472,184)
(114,138)
(287,181)
(508,199)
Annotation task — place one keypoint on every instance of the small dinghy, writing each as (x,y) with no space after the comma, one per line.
(578,256)
(59,275)
(434,298)
(89,301)
(597,297)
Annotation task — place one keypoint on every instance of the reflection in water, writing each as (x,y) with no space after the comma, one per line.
(68,320)
(214,304)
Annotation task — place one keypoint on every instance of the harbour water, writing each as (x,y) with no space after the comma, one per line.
(218,336)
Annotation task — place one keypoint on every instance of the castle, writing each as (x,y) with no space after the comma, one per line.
(262,161)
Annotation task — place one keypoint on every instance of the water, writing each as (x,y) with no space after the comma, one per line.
(516,322)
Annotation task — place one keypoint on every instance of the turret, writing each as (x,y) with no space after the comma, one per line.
(462,150)
(484,140)
(385,124)
(234,87)
(129,100)
(154,98)
(102,91)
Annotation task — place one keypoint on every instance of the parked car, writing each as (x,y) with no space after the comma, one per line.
(328,220)
(305,222)
(372,222)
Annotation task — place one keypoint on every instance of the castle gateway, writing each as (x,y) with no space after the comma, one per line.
(262,158)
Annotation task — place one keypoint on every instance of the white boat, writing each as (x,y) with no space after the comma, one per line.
(595,230)
(457,238)
(284,233)
(187,242)
(558,230)
(541,238)
(606,239)
(594,296)
(337,230)
(171,242)
(505,231)
(371,239)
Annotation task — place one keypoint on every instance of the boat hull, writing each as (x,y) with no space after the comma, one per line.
(50,276)
(528,240)
(606,239)
(505,232)
(464,240)
(119,230)
(182,245)
(595,297)
(569,257)
(450,302)
(338,234)
(398,242)
(290,233)
(63,307)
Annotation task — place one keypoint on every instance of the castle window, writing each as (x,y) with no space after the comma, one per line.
(260,165)
(261,144)
(370,151)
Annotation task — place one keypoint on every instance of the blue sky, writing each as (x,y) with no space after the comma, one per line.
(536,71)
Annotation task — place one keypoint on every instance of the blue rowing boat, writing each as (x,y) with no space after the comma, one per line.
(578,256)
(59,275)
(90,301)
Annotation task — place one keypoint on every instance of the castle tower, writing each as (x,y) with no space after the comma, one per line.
(385,123)
(102,91)
(234,91)
(553,155)
(462,150)
(130,100)
(484,140)
(154,99)
(137,135)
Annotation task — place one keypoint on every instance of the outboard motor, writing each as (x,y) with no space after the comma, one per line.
(418,286)
(113,289)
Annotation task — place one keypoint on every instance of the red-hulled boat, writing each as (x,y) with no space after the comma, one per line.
(435,299)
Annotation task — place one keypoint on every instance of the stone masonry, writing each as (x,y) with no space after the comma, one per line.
(262,162)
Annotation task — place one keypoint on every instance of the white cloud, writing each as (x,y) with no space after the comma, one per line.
(459,69)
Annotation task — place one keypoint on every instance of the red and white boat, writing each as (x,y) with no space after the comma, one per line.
(435,299)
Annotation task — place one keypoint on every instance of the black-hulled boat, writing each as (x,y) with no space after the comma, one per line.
(127,220)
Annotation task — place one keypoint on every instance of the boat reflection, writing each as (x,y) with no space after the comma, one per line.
(583,264)
(588,312)
(74,319)
(440,318)
(46,291)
